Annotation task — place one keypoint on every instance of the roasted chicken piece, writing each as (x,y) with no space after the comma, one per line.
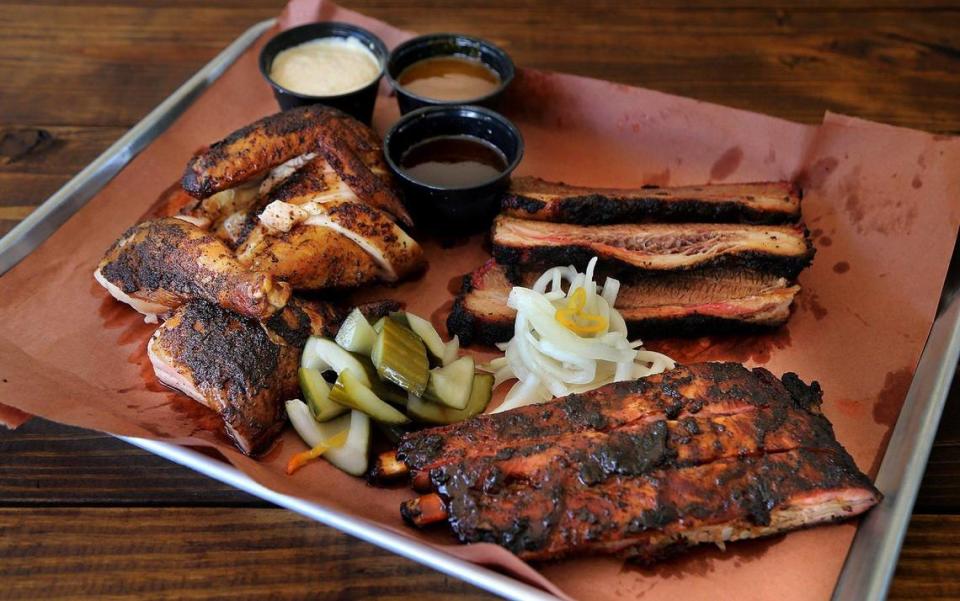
(782,250)
(705,453)
(312,232)
(235,365)
(299,135)
(242,368)
(757,202)
(158,265)
(670,304)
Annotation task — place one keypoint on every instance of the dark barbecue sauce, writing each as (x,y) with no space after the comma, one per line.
(453,162)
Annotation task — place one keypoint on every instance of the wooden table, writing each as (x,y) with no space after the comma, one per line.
(84,515)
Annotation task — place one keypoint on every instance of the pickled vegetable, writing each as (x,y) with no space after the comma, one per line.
(316,391)
(425,330)
(309,430)
(480,393)
(323,354)
(356,335)
(351,392)
(451,385)
(391,393)
(352,457)
(401,358)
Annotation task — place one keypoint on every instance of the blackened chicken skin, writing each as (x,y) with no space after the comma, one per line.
(236,366)
(710,452)
(241,368)
(655,247)
(672,304)
(756,202)
(337,138)
(158,265)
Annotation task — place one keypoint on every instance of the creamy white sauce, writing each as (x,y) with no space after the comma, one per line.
(325,67)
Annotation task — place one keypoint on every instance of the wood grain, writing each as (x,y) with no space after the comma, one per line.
(199,553)
(83,515)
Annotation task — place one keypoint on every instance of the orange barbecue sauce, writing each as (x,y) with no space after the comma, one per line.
(449,78)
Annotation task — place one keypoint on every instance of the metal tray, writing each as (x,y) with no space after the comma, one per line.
(872,558)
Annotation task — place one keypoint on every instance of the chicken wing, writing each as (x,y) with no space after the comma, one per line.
(347,145)
(158,265)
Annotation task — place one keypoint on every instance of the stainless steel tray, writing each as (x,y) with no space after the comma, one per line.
(871,561)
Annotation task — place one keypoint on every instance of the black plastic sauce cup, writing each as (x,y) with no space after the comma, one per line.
(447,44)
(359,102)
(451,209)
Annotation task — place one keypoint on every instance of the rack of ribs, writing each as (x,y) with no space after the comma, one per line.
(704,453)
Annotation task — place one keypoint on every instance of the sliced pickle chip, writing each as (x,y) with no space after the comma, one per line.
(451,384)
(432,413)
(350,392)
(316,391)
(401,358)
(356,335)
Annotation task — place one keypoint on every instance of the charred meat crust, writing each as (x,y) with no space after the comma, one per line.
(638,467)
(173,259)
(475,329)
(252,150)
(245,370)
(544,256)
(606,208)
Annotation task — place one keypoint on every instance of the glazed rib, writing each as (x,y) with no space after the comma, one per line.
(757,202)
(673,304)
(250,152)
(778,250)
(158,265)
(710,452)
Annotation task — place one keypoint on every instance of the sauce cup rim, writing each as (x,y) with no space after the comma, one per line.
(504,81)
(381,49)
(459,110)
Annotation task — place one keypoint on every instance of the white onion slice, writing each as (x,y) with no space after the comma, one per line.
(548,359)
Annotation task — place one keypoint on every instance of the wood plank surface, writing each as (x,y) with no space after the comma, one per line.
(84,515)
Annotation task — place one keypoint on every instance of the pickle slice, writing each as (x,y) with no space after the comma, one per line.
(323,354)
(350,392)
(401,358)
(316,391)
(425,330)
(451,384)
(355,334)
(432,413)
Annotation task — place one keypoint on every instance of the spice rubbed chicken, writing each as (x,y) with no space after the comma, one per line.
(297,200)
(705,453)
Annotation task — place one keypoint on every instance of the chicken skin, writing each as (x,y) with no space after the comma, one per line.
(158,265)
(242,368)
(235,365)
(350,148)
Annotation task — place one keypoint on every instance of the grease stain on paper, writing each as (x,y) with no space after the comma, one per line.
(886,409)
(841,267)
(732,347)
(818,173)
(661,178)
(727,164)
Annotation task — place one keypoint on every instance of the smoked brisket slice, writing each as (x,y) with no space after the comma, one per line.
(710,452)
(695,302)
(653,247)
(758,202)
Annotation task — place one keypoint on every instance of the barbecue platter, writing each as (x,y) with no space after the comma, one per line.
(599,446)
